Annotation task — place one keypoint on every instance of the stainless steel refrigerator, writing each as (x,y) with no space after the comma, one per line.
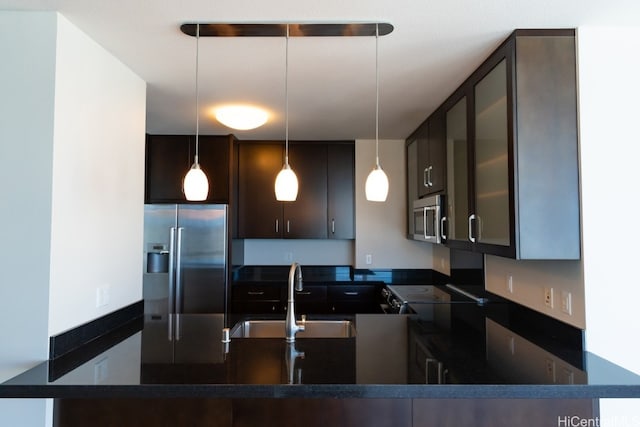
(185,259)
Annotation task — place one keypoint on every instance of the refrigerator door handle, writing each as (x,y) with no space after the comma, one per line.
(172,240)
(178,296)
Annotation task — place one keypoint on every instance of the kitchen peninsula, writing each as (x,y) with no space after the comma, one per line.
(454,352)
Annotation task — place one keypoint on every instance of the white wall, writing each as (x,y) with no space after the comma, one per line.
(381,227)
(27,49)
(98,182)
(71,171)
(608,81)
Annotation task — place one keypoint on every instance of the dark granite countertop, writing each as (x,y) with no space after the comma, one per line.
(451,351)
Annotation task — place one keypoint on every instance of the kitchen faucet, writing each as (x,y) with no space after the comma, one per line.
(291,327)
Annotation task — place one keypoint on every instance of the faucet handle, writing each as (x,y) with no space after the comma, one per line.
(303,321)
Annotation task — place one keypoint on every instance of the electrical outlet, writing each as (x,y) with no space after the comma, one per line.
(510,283)
(367,259)
(566,302)
(548,297)
(102,296)
(550,368)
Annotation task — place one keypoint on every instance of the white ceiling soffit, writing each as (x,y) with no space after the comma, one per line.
(434,46)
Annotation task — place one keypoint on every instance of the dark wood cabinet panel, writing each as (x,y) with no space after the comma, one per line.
(306,218)
(325,204)
(431,157)
(340,195)
(258,298)
(259,214)
(169,157)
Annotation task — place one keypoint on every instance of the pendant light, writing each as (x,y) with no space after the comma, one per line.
(286,186)
(195,184)
(377,185)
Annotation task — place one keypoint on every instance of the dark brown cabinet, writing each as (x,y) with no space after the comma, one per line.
(257,298)
(325,204)
(512,159)
(340,191)
(431,155)
(169,157)
(426,157)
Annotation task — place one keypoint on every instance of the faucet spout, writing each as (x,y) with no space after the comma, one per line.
(295,283)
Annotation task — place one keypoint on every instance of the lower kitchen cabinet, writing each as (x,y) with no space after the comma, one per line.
(349,299)
(315,298)
(197,412)
(257,298)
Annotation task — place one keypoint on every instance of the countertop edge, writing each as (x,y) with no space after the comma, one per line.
(334,391)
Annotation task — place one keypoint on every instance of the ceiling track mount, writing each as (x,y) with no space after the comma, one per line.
(345,29)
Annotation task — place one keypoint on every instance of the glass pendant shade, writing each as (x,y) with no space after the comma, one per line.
(196,184)
(286,184)
(377,185)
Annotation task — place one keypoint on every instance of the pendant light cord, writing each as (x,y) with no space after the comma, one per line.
(197,91)
(377,99)
(286,100)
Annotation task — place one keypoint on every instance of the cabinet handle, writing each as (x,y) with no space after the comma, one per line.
(443,220)
(471,238)
(277,228)
(255,293)
(288,228)
(429,176)
(303,293)
(333,226)
(425,180)
(351,294)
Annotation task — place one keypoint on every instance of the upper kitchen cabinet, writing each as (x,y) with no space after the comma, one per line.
(169,157)
(427,168)
(324,207)
(512,151)
(340,190)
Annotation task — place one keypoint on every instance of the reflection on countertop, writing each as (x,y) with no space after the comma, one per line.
(391,355)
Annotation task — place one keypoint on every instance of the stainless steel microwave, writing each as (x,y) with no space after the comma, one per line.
(427,215)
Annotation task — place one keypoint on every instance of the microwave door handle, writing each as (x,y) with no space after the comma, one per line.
(443,220)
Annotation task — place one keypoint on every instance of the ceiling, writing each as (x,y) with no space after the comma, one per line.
(435,45)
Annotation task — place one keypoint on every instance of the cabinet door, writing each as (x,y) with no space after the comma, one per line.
(259,213)
(306,218)
(422,139)
(167,161)
(457,209)
(491,159)
(340,194)
(411,159)
(437,158)
(169,157)
(214,152)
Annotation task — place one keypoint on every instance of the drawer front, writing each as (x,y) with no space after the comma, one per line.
(311,293)
(352,292)
(256,292)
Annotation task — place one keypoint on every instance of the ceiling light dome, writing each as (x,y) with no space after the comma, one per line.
(241,117)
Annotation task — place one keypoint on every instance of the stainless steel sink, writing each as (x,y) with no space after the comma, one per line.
(275,329)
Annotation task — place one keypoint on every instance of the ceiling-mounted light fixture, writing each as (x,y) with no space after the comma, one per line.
(241,117)
(286,186)
(195,184)
(377,185)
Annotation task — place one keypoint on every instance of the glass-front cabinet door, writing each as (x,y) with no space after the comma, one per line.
(490,221)
(455,223)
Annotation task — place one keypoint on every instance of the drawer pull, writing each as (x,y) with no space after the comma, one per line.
(352,294)
(303,293)
(255,293)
